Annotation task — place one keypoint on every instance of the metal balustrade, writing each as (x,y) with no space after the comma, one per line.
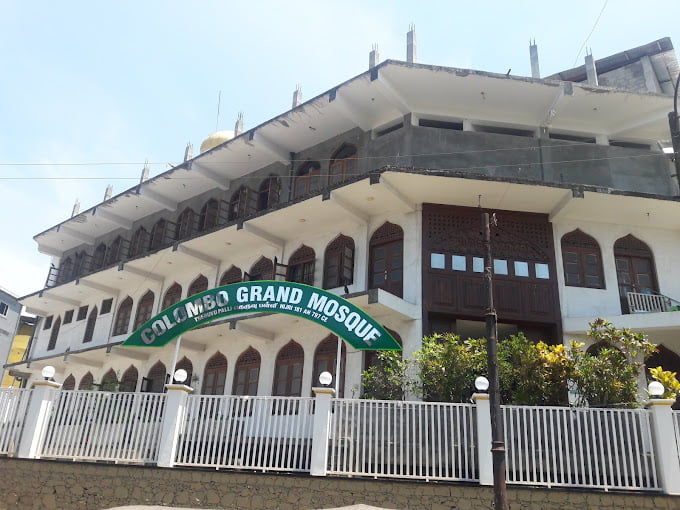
(676,425)
(13,406)
(639,302)
(579,447)
(264,433)
(98,425)
(431,441)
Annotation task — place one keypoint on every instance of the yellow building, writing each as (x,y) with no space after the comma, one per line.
(18,350)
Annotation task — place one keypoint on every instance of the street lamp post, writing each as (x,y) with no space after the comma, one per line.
(497,441)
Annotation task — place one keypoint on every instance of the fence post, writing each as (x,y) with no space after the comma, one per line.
(484,456)
(173,419)
(37,417)
(665,445)
(321,430)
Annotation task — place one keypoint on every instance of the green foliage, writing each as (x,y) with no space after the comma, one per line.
(445,368)
(448,366)
(388,378)
(669,380)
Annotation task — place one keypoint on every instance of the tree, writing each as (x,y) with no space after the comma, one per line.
(388,378)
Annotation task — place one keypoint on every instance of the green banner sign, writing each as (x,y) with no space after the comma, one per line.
(343,318)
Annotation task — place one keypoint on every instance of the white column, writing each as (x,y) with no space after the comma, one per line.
(173,418)
(321,430)
(665,446)
(484,456)
(37,416)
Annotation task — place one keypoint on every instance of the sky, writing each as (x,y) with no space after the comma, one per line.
(90,91)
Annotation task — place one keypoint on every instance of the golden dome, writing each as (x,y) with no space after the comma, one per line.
(216,139)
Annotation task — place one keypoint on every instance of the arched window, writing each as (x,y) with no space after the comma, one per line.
(263,269)
(209,215)
(386,259)
(338,263)
(144,309)
(247,373)
(215,375)
(139,242)
(160,234)
(634,269)
(99,257)
(301,266)
(155,380)
(116,251)
(54,334)
(288,372)
(89,327)
(198,285)
(307,180)
(186,364)
(231,275)
(69,383)
(343,164)
(370,357)
(109,381)
(87,382)
(582,261)
(243,203)
(268,194)
(122,323)
(80,264)
(185,224)
(129,380)
(65,270)
(172,296)
(325,360)
(665,358)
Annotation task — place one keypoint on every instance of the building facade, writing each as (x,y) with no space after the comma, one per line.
(10,313)
(373,190)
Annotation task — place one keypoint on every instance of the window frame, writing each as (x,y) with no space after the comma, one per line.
(581,245)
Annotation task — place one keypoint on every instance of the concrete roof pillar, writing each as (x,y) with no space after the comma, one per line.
(591,72)
(411,44)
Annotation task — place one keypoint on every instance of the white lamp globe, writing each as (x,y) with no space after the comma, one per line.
(482,383)
(655,389)
(180,375)
(325,378)
(48,372)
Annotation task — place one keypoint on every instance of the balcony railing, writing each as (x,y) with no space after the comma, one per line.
(641,302)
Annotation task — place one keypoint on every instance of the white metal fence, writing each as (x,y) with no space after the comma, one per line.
(640,302)
(579,447)
(432,441)
(264,433)
(676,424)
(13,405)
(98,425)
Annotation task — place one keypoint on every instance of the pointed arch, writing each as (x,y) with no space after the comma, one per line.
(343,164)
(288,370)
(65,270)
(116,251)
(139,242)
(268,193)
(123,315)
(209,216)
(129,380)
(99,257)
(80,264)
(87,382)
(215,375)
(325,360)
(301,266)
(582,260)
(231,275)
(54,334)
(665,358)
(247,373)
(172,296)
(69,383)
(243,203)
(144,309)
(161,234)
(338,263)
(263,269)
(109,381)
(89,327)
(186,364)
(386,259)
(635,271)
(156,378)
(198,285)
(186,224)
(307,179)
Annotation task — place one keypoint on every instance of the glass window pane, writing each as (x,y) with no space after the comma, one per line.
(459,263)
(500,266)
(542,271)
(521,268)
(437,261)
(478,264)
